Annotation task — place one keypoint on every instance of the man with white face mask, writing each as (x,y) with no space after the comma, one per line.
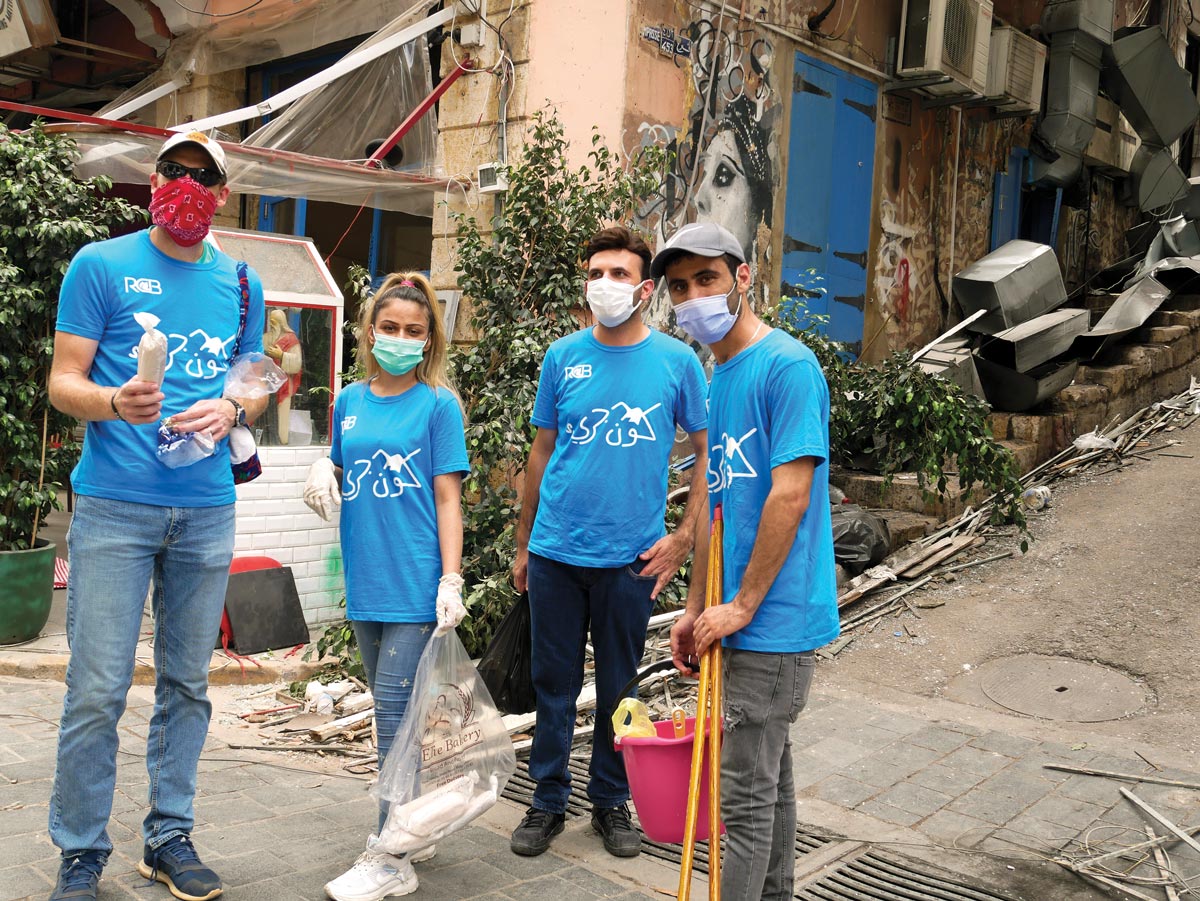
(592,549)
(768,469)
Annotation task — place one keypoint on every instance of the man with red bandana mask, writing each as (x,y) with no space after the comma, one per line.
(140,524)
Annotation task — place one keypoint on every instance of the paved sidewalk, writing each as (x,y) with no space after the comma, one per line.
(274,833)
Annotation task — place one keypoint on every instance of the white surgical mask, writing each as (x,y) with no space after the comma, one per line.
(612,302)
(707,319)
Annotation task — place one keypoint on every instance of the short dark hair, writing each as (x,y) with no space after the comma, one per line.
(732,262)
(618,237)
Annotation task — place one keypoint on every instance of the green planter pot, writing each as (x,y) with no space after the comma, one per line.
(28,580)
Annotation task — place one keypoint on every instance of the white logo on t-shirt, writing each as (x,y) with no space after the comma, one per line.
(142,285)
(726,462)
(391,474)
(582,371)
(348,423)
(202,356)
(631,426)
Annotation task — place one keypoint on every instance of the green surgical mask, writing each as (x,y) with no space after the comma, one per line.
(397,355)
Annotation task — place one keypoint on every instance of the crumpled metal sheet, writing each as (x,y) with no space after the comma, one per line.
(1130,311)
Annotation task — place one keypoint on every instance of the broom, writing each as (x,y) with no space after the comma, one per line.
(708,719)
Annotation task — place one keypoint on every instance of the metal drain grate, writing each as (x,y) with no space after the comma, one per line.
(830,869)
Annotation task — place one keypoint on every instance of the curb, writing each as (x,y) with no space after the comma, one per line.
(53,668)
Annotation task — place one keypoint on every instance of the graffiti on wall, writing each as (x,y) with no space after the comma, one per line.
(723,163)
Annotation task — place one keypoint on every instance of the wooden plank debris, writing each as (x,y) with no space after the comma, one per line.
(1159,818)
(1128,777)
(1164,866)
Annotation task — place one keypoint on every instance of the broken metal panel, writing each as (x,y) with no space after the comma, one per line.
(1181,237)
(1179,275)
(1128,312)
(1028,345)
(1014,283)
(1153,91)
(952,360)
(1091,17)
(1156,178)
(1014,392)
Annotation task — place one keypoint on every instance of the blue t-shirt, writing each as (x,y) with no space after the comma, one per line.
(198,306)
(389,450)
(603,495)
(769,405)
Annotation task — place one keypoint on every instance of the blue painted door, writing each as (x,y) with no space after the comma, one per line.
(831,162)
(1006,199)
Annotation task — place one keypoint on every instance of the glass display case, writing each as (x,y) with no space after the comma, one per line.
(305,312)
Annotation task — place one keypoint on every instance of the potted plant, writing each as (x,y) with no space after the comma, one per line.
(46,215)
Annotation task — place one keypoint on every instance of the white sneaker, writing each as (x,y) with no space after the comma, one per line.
(423,855)
(374,876)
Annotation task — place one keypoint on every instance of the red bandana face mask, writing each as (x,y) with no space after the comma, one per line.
(185,208)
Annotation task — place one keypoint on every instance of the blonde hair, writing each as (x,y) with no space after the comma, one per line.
(414,288)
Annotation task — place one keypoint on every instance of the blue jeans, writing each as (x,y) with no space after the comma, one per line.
(117,549)
(563,601)
(390,654)
(763,695)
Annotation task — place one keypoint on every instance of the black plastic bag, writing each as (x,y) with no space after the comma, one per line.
(507,665)
(860,538)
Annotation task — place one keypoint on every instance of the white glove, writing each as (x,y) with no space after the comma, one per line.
(450,609)
(322,491)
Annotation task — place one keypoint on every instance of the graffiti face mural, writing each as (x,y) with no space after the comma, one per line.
(724,160)
(724,163)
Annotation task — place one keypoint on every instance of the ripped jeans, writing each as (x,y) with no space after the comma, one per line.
(763,694)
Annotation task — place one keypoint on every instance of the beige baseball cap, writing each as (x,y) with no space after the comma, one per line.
(214,150)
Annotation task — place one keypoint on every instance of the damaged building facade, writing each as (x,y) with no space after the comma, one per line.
(867,155)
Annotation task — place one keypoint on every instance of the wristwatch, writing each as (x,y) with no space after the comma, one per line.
(239,412)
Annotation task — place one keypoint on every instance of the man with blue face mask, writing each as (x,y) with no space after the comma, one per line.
(592,549)
(768,468)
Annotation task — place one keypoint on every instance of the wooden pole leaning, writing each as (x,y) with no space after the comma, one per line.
(716,689)
(699,747)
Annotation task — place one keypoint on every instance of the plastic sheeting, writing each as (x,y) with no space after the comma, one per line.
(338,120)
(128,157)
(275,33)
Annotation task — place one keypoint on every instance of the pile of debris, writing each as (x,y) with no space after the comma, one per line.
(1022,342)
(917,565)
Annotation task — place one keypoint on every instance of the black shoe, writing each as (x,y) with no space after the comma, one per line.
(533,836)
(79,876)
(177,866)
(616,828)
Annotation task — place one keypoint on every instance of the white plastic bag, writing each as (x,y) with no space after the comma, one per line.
(253,375)
(1093,441)
(451,757)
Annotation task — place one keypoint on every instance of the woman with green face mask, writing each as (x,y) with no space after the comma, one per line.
(395,467)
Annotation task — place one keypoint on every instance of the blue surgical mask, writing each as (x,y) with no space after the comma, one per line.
(707,319)
(397,355)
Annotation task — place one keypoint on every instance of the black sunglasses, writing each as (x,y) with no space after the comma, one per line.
(171,170)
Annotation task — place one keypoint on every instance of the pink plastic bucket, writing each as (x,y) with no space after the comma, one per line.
(659,770)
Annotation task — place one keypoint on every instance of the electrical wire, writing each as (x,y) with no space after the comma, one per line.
(201,12)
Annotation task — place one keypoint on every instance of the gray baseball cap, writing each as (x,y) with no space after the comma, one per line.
(704,239)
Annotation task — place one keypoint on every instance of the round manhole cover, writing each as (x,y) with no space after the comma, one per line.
(1057,688)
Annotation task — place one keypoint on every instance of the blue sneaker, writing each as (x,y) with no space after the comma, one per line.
(177,866)
(79,876)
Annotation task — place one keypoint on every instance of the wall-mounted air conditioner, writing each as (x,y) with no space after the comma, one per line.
(948,38)
(1016,69)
